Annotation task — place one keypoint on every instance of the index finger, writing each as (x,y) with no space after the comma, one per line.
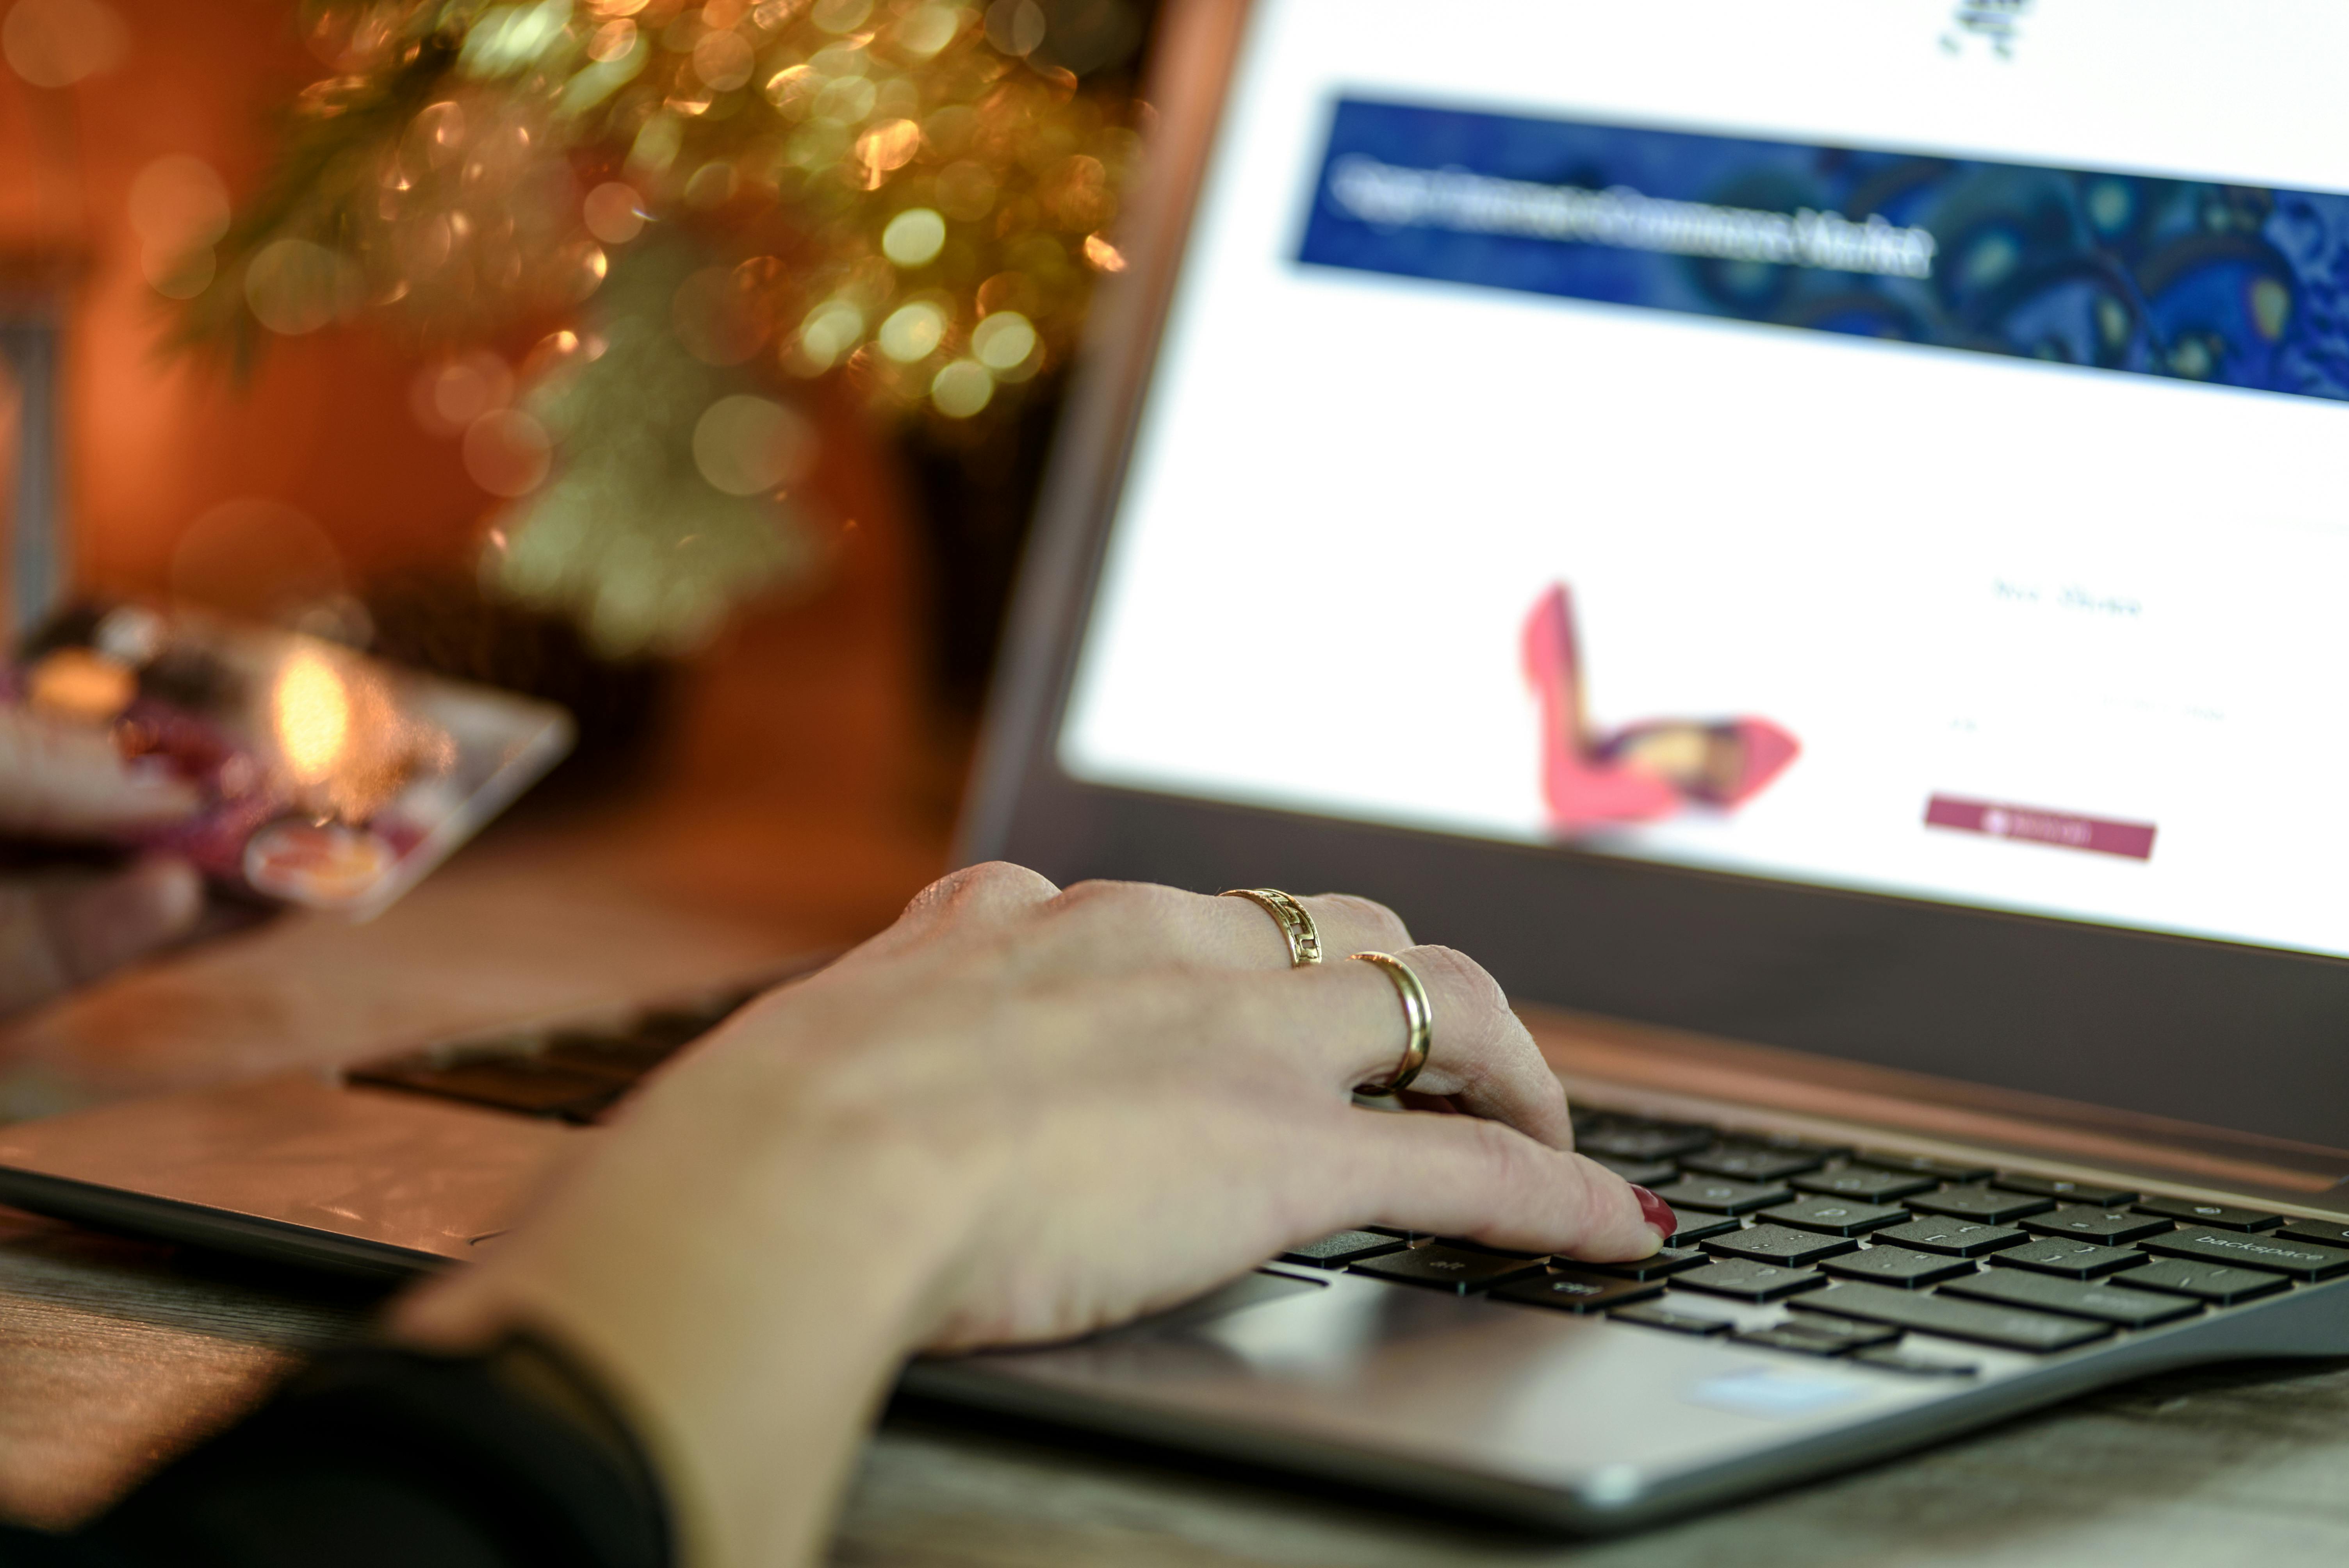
(1348,1022)
(58,781)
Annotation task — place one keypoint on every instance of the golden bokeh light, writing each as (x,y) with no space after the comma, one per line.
(913,331)
(56,43)
(81,685)
(1103,255)
(926,192)
(508,452)
(451,394)
(723,60)
(962,389)
(840,16)
(310,710)
(1004,341)
(747,446)
(925,29)
(178,204)
(914,238)
(613,212)
(296,287)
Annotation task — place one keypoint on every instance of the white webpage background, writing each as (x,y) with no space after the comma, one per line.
(1349,488)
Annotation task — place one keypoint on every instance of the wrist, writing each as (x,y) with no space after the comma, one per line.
(747,1302)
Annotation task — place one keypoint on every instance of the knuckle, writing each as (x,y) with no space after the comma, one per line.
(1460,978)
(1094,892)
(993,888)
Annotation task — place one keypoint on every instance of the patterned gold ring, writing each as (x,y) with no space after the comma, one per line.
(1297,927)
(1418,1021)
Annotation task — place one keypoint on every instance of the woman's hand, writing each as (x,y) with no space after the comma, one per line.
(61,929)
(1017,1115)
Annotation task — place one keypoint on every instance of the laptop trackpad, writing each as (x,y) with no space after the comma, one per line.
(1248,1290)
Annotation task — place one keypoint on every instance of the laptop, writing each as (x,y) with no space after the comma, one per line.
(1806,543)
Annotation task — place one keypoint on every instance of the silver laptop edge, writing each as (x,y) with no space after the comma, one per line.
(1561,1420)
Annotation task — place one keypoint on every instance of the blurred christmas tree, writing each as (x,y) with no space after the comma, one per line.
(707,205)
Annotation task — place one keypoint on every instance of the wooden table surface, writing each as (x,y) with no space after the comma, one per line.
(113,1353)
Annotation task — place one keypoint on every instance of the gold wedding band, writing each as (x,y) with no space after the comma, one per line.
(1297,927)
(1418,1020)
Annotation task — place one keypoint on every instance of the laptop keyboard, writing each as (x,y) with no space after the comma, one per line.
(572,1075)
(1864,1248)
(1861,1247)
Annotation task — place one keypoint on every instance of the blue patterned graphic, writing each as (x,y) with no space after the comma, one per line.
(2232,284)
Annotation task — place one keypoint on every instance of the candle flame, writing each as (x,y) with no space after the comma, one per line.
(312,710)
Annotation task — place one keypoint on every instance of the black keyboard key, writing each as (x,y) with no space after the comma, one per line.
(2075,1298)
(621,1059)
(2323,1233)
(1695,1228)
(1849,1333)
(587,1111)
(1779,1244)
(1748,1281)
(1446,1268)
(1939,1170)
(1986,1204)
(2271,1254)
(1466,1244)
(2223,1216)
(2217,1284)
(1399,1236)
(1631,1140)
(2071,1259)
(1720,1195)
(2012,1328)
(523,1084)
(1658,1265)
(1885,1263)
(1336,1251)
(1835,1216)
(670,1027)
(1639,1172)
(2064,1191)
(1865,1183)
(1576,1292)
(2113,1227)
(1786,1339)
(1677,1322)
(1904,1362)
(1786,1142)
(1959,1238)
(1747,1163)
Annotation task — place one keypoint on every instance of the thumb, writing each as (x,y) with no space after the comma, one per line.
(98,926)
(63,781)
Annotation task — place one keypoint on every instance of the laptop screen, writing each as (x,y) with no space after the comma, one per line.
(1897,449)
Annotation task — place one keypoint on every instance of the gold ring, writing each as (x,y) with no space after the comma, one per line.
(1297,927)
(1418,1020)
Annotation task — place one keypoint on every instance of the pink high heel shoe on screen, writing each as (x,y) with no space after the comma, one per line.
(1592,781)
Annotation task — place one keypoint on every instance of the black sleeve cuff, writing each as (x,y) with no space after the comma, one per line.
(386,1457)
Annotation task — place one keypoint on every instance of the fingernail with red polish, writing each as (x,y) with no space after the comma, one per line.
(1658,1213)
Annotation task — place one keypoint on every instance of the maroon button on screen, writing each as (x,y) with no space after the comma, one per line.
(2037,825)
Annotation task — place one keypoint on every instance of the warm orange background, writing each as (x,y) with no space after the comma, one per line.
(802,767)
(324,427)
